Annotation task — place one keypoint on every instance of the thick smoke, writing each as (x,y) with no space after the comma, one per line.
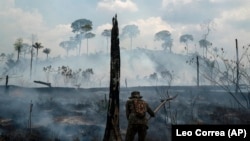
(56,112)
(136,67)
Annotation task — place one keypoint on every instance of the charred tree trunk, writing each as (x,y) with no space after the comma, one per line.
(31,54)
(237,68)
(198,72)
(31,105)
(112,131)
(6,81)
(31,60)
(44,83)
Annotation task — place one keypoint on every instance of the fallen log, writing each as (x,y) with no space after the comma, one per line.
(44,83)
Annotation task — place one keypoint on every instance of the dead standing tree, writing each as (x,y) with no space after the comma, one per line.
(112,131)
(31,105)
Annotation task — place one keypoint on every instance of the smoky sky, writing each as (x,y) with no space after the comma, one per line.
(58,9)
(196,12)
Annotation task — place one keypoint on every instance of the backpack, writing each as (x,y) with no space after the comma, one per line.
(140,108)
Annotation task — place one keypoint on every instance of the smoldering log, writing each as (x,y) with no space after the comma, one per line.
(44,83)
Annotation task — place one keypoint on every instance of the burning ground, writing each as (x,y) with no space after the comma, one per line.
(67,114)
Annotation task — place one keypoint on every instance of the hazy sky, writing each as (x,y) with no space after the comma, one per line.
(50,20)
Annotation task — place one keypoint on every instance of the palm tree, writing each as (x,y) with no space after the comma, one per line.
(46,51)
(18,46)
(37,46)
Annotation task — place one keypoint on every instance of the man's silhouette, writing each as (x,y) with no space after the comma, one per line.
(136,110)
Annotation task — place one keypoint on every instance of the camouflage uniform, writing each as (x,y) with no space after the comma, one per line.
(136,124)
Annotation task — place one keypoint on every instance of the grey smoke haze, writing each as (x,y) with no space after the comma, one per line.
(62,113)
(66,112)
(136,67)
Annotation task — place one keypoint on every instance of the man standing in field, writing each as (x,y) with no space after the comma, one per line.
(136,110)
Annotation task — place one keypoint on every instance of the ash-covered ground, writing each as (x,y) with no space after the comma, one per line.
(69,114)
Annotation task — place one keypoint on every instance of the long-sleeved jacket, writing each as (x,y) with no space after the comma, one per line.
(130,113)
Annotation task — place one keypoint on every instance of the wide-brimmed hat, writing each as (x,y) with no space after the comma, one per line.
(135,94)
